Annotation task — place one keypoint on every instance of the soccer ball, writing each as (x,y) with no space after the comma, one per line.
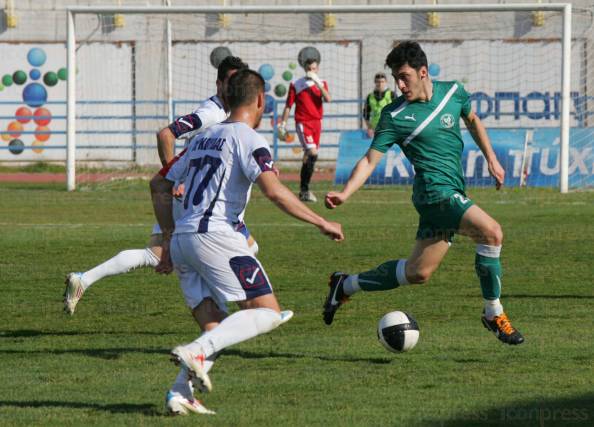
(398,331)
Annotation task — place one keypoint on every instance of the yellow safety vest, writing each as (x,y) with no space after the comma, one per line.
(376,106)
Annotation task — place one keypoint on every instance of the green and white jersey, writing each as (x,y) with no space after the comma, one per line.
(429,134)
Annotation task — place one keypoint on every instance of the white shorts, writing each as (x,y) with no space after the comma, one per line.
(194,288)
(224,263)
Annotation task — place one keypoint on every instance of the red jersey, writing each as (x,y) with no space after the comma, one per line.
(308,99)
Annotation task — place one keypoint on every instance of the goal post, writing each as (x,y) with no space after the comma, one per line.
(328,35)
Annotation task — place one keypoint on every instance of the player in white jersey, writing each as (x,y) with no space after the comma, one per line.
(207,113)
(219,168)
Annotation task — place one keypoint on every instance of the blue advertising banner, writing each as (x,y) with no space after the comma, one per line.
(535,151)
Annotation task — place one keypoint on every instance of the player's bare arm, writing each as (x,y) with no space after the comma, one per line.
(285,115)
(165,145)
(480,136)
(362,171)
(161,194)
(182,127)
(280,195)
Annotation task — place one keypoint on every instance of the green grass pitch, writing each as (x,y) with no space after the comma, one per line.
(108,364)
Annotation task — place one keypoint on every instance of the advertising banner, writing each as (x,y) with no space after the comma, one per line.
(532,152)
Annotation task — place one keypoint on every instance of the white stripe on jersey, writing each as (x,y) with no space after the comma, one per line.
(431,116)
(218,170)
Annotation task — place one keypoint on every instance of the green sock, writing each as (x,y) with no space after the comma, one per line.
(489,272)
(381,278)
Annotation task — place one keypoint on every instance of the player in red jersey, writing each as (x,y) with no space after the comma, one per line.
(308,94)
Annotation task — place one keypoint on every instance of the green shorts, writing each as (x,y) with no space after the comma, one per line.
(441,220)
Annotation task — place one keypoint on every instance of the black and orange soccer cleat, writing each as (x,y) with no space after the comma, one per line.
(336,296)
(503,329)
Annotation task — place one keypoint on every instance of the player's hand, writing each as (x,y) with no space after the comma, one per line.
(314,77)
(370,133)
(179,190)
(333,230)
(276,170)
(497,172)
(333,199)
(165,265)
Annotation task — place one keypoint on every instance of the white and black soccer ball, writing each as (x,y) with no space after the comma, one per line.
(398,331)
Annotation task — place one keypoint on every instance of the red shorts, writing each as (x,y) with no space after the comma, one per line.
(309,133)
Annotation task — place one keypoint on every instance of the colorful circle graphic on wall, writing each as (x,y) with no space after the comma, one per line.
(16,146)
(34,95)
(218,54)
(36,57)
(266,71)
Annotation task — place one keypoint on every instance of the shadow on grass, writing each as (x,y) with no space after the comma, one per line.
(30,333)
(574,411)
(268,354)
(564,296)
(537,296)
(148,409)
(116,353)
(101,353)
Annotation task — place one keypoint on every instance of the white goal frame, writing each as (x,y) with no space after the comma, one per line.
(564,8)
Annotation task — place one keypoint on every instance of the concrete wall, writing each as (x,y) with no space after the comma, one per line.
(43,21)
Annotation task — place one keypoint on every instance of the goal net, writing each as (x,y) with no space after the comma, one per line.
(134,71)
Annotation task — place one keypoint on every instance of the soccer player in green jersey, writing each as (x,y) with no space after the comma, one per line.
(425,123)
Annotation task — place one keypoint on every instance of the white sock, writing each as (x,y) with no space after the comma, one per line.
(209,362)
(121,263)
(351,284)
(401,272)
(240,326)
(492,308)
(183,385)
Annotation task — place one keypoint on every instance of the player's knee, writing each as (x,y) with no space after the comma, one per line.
(309,158)
(311,154)
(418,275)
(208,314)
(494,234)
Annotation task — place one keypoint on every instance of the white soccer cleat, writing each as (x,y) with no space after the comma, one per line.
(194,363)
(176,404)
(286,315)
(73,293)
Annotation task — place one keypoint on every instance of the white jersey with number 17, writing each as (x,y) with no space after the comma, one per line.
(218,169)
